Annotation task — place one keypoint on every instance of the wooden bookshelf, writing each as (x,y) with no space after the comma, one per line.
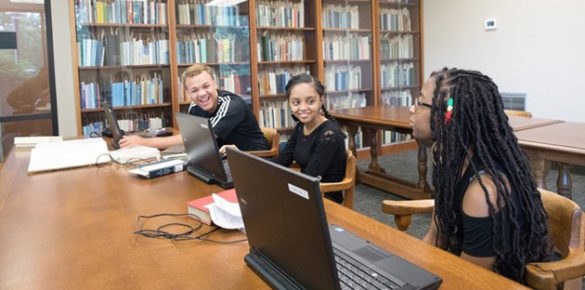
(246,30)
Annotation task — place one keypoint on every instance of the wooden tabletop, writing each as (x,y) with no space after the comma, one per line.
(389,116)
(523,123)
(398,117)
(566,136)
(74,229)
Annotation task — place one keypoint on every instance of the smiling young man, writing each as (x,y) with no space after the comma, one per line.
(232,119)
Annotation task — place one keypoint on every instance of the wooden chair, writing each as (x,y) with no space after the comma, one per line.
(566,225)
(518,113)
(273,138)
(347,184)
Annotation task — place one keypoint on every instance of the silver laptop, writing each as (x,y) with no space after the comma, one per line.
(117,133)
(204,160)
(291,245)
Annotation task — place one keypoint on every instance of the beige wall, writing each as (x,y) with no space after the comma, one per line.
(63,68)
(537,49)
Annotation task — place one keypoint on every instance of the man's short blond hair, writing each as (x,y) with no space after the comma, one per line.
(195,70)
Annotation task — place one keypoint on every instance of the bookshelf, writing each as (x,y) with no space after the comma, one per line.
(254,46)
(285,46)
(348,55)
(121,56)
(399,52)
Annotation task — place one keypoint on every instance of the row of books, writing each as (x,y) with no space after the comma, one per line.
(278,47)
(204,12)
(397,74)
(274,81)
(395,19)
(397,98)
(275,114)
(280,13)
(202,48)
(351,100)
(390,137)
(130,122)
(122,49)
(337,16)
(348,47)
(229,81)
(399,46)
(145,90)
(121,11)
(398,1)
(342,78)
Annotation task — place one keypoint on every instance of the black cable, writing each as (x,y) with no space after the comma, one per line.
(130,161)
(160,232)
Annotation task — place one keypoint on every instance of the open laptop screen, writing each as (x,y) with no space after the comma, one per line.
(284,218)
(113,125)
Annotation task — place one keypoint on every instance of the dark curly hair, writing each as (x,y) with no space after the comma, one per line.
(478,125)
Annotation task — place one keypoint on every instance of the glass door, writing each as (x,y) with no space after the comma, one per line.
(27,104)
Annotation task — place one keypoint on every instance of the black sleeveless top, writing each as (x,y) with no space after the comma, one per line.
(478,232)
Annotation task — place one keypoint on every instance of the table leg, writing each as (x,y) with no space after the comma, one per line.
(351,131)
(539,170)
(564,182)
(422,167)
(374,165)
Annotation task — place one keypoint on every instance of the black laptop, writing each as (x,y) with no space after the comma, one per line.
(203,154)
(117,133)
(291,245)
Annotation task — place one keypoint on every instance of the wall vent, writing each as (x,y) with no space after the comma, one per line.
(514,101)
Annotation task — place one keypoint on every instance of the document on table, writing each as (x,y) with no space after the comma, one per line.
(68,154)
(225,214)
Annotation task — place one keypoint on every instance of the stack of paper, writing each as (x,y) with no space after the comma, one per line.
(67,154)
(32,141)
(135,153)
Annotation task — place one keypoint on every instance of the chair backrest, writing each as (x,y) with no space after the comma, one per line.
(518,113)
(273,139)
(348,182)
(564,221)
(566,226)
(350,165)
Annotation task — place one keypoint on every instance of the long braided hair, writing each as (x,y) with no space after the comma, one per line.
(477,125)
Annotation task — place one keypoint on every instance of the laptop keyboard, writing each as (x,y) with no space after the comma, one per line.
(355,275)
(226,169)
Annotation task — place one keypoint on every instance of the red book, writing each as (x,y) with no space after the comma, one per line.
(197,206)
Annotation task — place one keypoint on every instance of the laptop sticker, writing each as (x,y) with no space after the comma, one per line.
(298,191)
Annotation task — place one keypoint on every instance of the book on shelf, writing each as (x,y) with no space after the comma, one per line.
(200,207)
(160,168)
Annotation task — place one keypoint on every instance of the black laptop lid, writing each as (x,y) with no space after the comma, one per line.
(113,125)
(200,145)
(284,219)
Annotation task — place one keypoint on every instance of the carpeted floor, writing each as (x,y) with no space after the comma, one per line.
(404,165)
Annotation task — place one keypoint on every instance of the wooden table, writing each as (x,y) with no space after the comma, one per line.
(561,142)
(73,229)
(396,118)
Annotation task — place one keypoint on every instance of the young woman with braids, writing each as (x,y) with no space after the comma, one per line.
(487,207)
(316,144)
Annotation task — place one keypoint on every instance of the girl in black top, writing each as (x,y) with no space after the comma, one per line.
(316,144)
(487,207)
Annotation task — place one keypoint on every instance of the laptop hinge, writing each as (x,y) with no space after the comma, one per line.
(204,177)
(269,272)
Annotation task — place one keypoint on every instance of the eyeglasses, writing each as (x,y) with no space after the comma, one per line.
(419,103)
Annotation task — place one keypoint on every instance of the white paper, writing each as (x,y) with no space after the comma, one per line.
(67,154)
(32,141)
(135,153)
(225,214)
